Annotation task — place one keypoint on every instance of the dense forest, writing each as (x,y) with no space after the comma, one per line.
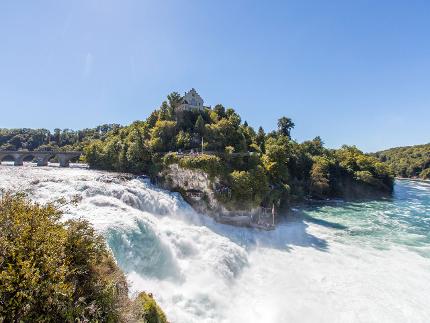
(410,161)
(54,271)
(43,139)
(257,168)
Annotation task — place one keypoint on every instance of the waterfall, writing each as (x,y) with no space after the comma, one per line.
(308,269)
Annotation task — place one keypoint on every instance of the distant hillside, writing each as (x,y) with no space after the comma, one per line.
(409,161)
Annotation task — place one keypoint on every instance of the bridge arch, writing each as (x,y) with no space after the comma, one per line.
(16,157)
(64,159)
(7,157)
(28,158)
(41,157)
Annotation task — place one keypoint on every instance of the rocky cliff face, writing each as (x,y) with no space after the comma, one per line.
(194,185)
(198,189)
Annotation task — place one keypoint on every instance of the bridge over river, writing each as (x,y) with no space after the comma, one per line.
(41,157)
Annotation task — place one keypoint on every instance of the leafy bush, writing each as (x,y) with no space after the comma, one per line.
(170,158)
(55,272)
(146,309)
(208,163)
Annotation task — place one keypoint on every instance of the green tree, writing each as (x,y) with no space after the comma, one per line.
(199,127)
(320,177)
(166,112)
(163,135)
(284,126)
(260,139)
(138,156)
(219,110)
(276,158)
(174,99)
(183,140)
(57,136)
(314,147)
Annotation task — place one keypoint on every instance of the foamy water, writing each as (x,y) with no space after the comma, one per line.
(339,262)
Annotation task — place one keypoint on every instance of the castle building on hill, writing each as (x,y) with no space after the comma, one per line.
(192,101)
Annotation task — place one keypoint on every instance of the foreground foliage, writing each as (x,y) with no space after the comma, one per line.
(59,272)
(411,161)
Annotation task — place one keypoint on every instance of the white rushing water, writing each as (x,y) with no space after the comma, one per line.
(326,264)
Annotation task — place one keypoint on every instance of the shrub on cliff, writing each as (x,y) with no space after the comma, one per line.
(208,163)
(145,309)
(170,158)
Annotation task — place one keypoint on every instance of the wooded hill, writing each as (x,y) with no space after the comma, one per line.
(257,168)
(409,161)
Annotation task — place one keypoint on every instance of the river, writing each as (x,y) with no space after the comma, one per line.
(333,262)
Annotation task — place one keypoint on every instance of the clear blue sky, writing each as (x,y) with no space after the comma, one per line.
(355,72)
